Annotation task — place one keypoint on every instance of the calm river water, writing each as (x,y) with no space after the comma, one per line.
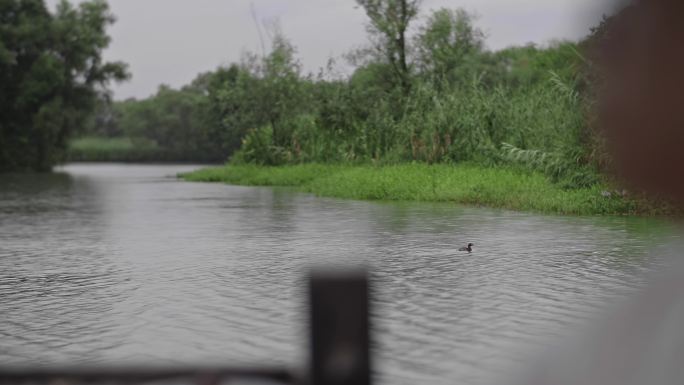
(108,263)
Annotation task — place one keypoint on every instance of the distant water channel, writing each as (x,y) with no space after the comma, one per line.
(122,264)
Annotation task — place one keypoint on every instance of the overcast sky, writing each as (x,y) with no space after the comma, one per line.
(171,41)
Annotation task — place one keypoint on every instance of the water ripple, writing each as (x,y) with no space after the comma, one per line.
(120,264)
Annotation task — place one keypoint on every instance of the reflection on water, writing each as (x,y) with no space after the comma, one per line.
(121,264)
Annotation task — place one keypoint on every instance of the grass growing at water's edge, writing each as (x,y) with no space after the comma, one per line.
(96,149)
(124,149)
(466,184)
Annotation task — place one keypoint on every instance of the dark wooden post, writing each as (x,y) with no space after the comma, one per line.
(340,340)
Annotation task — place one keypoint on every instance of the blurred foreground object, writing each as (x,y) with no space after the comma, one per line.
(641,108)
(640,344)
(340,342)
(340,351)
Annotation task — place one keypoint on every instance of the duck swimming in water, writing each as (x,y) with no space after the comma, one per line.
(469,248)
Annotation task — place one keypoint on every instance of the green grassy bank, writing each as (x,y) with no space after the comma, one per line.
(124,149)
(464,184)
(96,149)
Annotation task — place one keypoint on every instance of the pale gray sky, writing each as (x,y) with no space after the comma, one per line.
(171,41)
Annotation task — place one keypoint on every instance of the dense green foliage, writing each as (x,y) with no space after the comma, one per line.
(51,73)
(427,113)
(504,187)
(99,149)
(207,120)
(435,96)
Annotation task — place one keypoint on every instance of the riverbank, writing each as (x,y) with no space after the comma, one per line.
(96,149)
(463,184)
(129,150)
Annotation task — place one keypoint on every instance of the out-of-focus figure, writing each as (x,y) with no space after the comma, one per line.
(641,63)
(641,110)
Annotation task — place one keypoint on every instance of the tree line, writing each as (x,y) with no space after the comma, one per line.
(434,95)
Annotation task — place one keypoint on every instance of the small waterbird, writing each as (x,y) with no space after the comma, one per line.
(469,248)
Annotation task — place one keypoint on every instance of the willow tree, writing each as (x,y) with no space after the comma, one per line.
(389,23)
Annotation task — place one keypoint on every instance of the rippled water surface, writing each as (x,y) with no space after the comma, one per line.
(105,264)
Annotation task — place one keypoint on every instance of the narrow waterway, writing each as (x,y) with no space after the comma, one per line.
(121,264)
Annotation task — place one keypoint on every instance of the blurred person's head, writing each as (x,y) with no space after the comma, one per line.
(641,106)
(642,97)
